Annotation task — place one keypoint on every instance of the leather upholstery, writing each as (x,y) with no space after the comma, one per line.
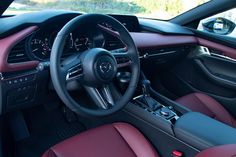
(219,151)
(115,140)
(205,104)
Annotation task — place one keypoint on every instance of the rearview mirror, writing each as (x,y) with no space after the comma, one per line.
(219,25)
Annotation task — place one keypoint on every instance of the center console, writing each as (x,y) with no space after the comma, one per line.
(149,104)
(162,119)
(203,132)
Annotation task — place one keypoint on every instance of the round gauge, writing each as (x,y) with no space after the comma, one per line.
(41,42)
(40,48)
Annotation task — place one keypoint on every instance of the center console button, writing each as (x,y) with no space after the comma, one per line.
(15,81)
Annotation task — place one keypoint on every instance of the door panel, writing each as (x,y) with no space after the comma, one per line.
(210,74)
(218,70)
(188,77)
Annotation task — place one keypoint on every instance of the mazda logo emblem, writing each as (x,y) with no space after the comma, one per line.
(105,67)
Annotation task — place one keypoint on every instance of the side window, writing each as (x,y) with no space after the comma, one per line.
(222,24)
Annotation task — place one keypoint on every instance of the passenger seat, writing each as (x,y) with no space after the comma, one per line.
(205,104)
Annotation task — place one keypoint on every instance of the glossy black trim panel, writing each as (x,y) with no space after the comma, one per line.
(163,27)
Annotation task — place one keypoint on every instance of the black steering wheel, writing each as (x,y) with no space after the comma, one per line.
(94,68)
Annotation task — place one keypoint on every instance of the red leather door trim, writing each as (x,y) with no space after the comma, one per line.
(154,40)
(227,51)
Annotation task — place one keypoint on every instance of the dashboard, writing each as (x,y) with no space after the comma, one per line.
(38,45)
(26,42)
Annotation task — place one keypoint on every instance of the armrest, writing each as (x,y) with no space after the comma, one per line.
(203,132)
(219,151)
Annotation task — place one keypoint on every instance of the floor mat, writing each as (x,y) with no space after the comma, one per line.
(46,128)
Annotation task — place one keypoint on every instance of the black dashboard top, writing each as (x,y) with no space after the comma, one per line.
(12,24)
(163,27)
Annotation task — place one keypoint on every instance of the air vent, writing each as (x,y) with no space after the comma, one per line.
(18,53)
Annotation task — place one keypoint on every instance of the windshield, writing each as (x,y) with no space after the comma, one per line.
(157,9)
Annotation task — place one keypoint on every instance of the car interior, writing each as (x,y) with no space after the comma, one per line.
(112,85)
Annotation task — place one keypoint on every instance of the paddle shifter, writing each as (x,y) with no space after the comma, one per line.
(147,100)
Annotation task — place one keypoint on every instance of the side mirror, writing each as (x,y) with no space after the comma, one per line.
(219,26)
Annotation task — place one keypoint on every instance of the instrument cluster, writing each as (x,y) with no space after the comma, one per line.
(40,43)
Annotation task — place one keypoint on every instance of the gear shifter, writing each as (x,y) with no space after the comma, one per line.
(146,85)
(150,103)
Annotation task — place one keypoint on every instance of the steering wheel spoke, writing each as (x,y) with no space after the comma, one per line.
(101,96)
(72,68)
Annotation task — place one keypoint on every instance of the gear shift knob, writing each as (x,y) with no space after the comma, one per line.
(150,103)
(146,85)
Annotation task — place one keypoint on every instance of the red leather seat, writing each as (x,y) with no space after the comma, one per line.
(219,151)
(205,104)
(115,140)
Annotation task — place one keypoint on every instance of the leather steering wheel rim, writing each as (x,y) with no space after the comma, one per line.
(57,75)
